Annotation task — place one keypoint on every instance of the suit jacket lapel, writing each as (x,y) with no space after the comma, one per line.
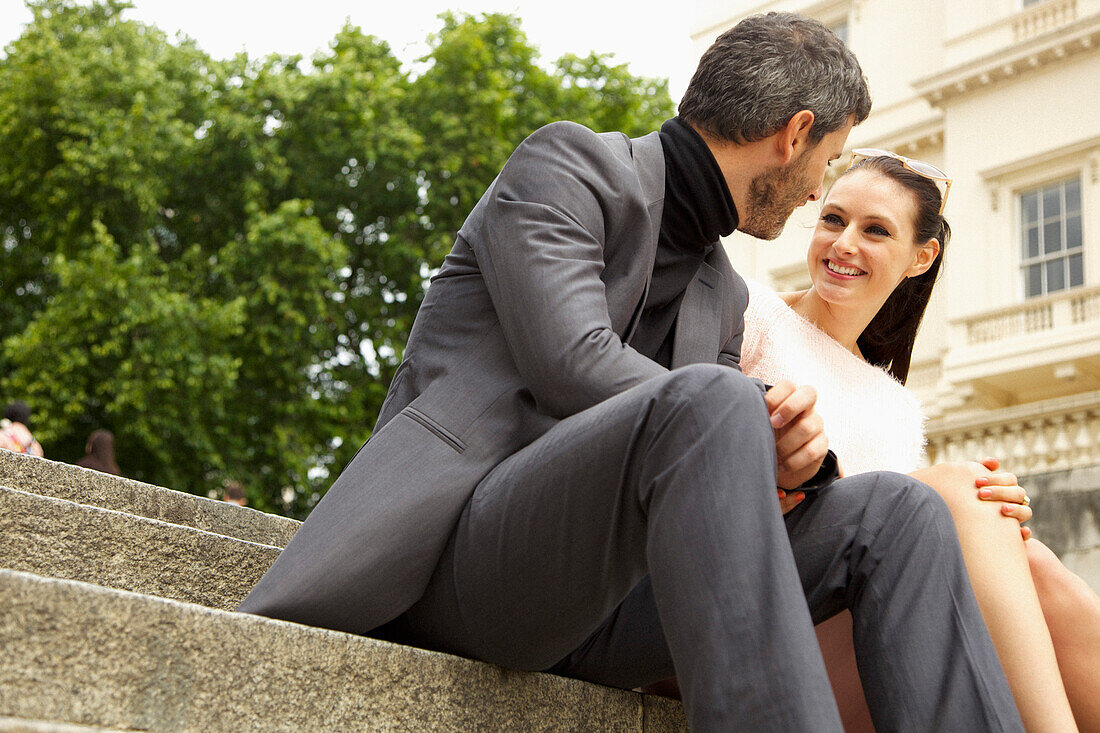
(698,326)
(649,162)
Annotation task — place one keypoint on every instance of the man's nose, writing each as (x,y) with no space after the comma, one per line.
(816,195)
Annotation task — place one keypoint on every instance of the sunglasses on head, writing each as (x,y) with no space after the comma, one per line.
(927,170)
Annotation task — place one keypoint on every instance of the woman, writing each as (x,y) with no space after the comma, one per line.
(15,433)
(99,453)
(873,259)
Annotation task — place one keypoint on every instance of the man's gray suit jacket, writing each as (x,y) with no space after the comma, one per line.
(527,323)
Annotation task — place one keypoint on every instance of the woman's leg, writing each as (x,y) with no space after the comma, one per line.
(834,636)
(998,567)
(1072,612)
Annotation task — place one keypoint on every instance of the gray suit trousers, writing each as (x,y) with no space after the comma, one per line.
(642,538)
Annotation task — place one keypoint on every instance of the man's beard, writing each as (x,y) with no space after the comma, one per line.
(773,197)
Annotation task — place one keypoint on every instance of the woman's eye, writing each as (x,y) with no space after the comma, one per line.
(878,230)
(832,219)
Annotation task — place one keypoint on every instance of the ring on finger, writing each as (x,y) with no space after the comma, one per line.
(1027,500)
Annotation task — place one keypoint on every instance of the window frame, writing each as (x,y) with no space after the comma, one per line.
(1042,220)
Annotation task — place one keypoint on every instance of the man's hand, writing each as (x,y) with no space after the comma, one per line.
(800,442)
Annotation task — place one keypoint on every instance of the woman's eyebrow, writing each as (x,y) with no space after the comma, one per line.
(882,218)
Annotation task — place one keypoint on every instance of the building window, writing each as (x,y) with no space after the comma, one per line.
(1052,255)
(1032,2)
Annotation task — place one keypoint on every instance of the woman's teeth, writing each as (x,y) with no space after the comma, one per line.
(843,270)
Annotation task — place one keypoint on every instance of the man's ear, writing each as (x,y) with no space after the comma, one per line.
(926,255)
(794,137)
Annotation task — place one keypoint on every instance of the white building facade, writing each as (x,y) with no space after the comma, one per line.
(1004,95)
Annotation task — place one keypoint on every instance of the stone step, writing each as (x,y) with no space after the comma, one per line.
(19,725)
(83,486)
(95,656)
(59,538)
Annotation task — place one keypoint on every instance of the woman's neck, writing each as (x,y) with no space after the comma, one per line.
(843,324)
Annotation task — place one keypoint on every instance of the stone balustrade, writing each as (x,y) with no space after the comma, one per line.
(1051,435)
(1065,309)
(1043,17)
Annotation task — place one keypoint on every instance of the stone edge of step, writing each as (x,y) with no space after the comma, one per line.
(58,538)
(489,687)
(35,475)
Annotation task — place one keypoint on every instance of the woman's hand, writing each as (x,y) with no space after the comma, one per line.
(788,500)
(1004,487)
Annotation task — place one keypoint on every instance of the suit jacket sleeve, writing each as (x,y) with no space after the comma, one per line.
(730,355)
(541,251)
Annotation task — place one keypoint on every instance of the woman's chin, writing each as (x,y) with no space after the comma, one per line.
(847,291)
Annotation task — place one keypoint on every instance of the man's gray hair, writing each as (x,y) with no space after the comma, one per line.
(764,70)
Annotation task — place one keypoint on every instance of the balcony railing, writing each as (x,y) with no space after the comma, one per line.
(1043,17)
(1065,309)
(1043,436)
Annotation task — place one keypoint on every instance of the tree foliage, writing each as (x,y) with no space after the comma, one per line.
(220,259)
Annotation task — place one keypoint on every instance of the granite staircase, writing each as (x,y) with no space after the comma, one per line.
(115,614)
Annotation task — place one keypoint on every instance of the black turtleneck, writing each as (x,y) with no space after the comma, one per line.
(698,209)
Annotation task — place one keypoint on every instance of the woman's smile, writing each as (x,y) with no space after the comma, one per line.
(842,270)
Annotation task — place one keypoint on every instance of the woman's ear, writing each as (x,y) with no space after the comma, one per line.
(926,255)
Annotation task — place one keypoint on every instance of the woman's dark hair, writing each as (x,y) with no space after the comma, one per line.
(18,412)
(100,452)
(887,341)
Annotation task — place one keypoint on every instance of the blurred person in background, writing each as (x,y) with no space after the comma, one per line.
(15,432)
(233,493)
(99,453)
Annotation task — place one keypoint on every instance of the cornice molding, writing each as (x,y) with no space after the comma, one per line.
(923,135)
(942,426)
(1049,48)
(1084,154)
(1075,151)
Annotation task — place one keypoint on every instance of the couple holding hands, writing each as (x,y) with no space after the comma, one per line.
(576,466)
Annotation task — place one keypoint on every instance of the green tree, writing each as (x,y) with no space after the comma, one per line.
(89,128)
(119,347)
(606,96)
(484,91)
(351,154)
(284,273)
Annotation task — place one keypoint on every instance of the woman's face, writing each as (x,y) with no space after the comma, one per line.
(863,245)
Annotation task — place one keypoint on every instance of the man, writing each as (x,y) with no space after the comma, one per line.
(570,473)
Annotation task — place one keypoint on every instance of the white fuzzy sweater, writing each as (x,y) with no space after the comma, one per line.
(872,421)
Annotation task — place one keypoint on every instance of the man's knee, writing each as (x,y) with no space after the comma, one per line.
(712,388)
(905,499)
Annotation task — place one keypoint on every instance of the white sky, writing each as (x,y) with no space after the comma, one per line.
(648,35)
